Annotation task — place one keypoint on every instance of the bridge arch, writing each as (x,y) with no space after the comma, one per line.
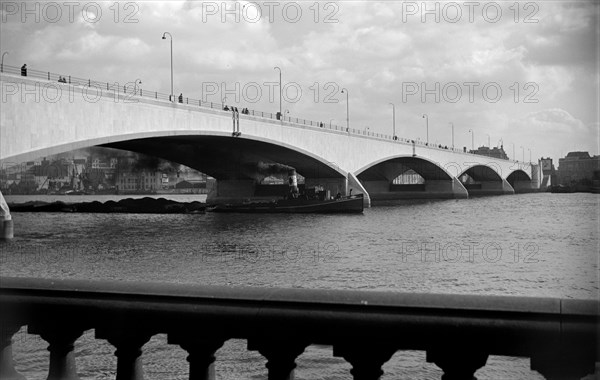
(482,173)
(187,143)
(225,157)
(484,180)
(378,179)
(520,181)
(391,167)
(239,163)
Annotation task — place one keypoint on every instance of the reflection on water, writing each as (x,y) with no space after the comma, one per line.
(527,245)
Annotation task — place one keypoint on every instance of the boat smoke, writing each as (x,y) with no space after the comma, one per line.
(268,168)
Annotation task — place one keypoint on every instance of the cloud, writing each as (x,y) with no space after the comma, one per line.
(557,130)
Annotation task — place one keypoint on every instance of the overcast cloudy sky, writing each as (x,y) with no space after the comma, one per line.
(446,60)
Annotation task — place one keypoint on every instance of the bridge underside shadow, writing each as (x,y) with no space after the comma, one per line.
(240,164)
(378,180)
(520,182)
(481,180)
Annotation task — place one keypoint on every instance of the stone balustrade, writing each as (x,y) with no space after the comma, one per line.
(458,332)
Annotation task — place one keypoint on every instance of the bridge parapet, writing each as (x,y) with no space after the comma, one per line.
(458,332)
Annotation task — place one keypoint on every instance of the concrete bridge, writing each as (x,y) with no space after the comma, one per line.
(41,116)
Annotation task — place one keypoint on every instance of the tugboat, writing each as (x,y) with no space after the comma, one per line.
(351,204)
(313,201)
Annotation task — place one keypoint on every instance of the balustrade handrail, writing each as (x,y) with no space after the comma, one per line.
(129,87)
(356,323)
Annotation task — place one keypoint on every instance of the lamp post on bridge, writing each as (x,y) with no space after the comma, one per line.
(135,86)
(280,89)
(347,110)
(523,151)
(394,120)
(452,125)
(2,64)
(489,144)
(472,140)
(164,37)
(427,126)
(529,149)
(514,156)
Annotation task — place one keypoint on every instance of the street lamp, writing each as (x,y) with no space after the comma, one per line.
(523,151)
(347,110)
(427,126)
(164,37)
(472,140)
(2,64)
(280,89)
(489,146)
(514,156)
(452,124)
(529,149)
(394,120)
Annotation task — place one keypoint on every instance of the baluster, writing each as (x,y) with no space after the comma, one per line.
(366,358)
(61,339)
(281,356)
(458,363)
(129,350)
(7,369)
(201,353)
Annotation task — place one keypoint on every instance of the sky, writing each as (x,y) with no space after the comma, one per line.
(522,74)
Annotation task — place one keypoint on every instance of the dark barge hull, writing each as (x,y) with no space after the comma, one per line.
(351,205)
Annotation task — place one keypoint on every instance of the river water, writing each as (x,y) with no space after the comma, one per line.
(527,245)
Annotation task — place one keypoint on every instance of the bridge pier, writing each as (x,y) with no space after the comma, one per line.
(357,186)
(6,223)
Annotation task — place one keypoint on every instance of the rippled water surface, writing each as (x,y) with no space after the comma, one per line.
(528,245)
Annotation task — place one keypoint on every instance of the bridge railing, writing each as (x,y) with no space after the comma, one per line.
(134,90)
(458,332)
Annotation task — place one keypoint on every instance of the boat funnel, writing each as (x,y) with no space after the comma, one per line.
(293,182)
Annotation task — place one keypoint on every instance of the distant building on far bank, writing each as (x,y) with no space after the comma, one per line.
(491,152)
(577,167)
(547,173)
